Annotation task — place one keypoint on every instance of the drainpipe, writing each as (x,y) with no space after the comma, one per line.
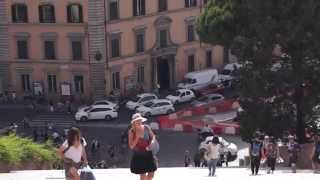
(107,75)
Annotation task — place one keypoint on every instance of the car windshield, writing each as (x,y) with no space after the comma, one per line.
(226,72)
(135,99)
(203,98)
(177,93)
(87,109)
(148,104)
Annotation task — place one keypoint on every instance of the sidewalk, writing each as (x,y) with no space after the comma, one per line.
(169,174)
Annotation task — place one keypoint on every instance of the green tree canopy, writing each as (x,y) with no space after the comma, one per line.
(277,93)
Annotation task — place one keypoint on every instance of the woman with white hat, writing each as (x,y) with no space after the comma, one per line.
(140,138)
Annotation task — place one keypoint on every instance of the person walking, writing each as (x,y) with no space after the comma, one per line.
(212,155)
(187,158)
(316,155)
(73,151)
(293,150)
(140,138)
(271,153)
(255,152)
(197,159)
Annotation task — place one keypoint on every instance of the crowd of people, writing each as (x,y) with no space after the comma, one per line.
(143,143)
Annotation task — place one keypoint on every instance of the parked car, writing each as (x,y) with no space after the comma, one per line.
(228,151)
(139,100)
(156,107)
(207,99)
(181,95)
(102,102)
(228,73)
(211,89)
(199,79)
(96,112)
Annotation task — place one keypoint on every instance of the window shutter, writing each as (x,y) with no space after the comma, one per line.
(186,3)
(69,14)
(40,14)
(52,14)
(14,12)
(143,7)
(80,14)
(134,5)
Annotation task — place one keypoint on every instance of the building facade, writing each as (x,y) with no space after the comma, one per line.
(47,47)
(154,42)
(87,48)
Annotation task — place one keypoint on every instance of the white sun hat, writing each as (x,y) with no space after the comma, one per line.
(137,116)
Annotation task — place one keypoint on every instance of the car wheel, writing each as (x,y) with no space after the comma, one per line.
(108,118)
(169,111)
(175,102)
(83,118)
(148,114)
(135,108)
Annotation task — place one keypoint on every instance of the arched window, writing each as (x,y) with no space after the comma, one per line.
(46,13)
(19,13)
(74,13)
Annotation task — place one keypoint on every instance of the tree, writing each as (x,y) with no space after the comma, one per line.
(278,92)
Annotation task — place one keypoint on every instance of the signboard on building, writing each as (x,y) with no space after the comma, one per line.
(65,89)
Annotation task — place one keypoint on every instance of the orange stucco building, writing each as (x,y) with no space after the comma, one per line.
(87,48)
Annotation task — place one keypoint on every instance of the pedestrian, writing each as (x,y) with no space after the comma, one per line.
(140,137)
(271,153)
(73,151)
(293,150)
(212,155)
(187,158)
(316,154)
(51,107)
(197,159)
(255,152)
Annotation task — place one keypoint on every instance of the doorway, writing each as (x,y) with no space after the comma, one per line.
(163,74)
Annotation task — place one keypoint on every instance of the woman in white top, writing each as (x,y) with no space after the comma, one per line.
(73,151)
(213,155)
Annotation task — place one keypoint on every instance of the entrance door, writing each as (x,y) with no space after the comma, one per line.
(163,74)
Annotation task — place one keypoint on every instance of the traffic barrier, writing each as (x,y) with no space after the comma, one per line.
(187,113)
(212,110)
(154,126)
(178,127)
(173,116)
(187,128)
(230,130)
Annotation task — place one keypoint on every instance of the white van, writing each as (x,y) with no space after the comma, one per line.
(199,79)
(228,71)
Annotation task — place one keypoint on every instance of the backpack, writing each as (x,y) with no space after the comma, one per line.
(255,149)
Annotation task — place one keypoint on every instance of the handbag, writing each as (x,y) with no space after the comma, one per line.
(87,174)
(154,146)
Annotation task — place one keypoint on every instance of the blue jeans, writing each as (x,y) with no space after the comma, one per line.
(212,164)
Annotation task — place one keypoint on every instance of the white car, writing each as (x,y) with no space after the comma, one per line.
(101,102)
(207,99)
(227,148)
(227,75)
(96,112)
(181,95)
(156,107)
(107,103)
(139,100)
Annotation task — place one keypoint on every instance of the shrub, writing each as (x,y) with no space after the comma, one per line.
(15,150)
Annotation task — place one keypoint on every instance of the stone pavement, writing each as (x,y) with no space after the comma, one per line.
(168,174)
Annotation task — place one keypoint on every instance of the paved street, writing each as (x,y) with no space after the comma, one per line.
(169,174)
